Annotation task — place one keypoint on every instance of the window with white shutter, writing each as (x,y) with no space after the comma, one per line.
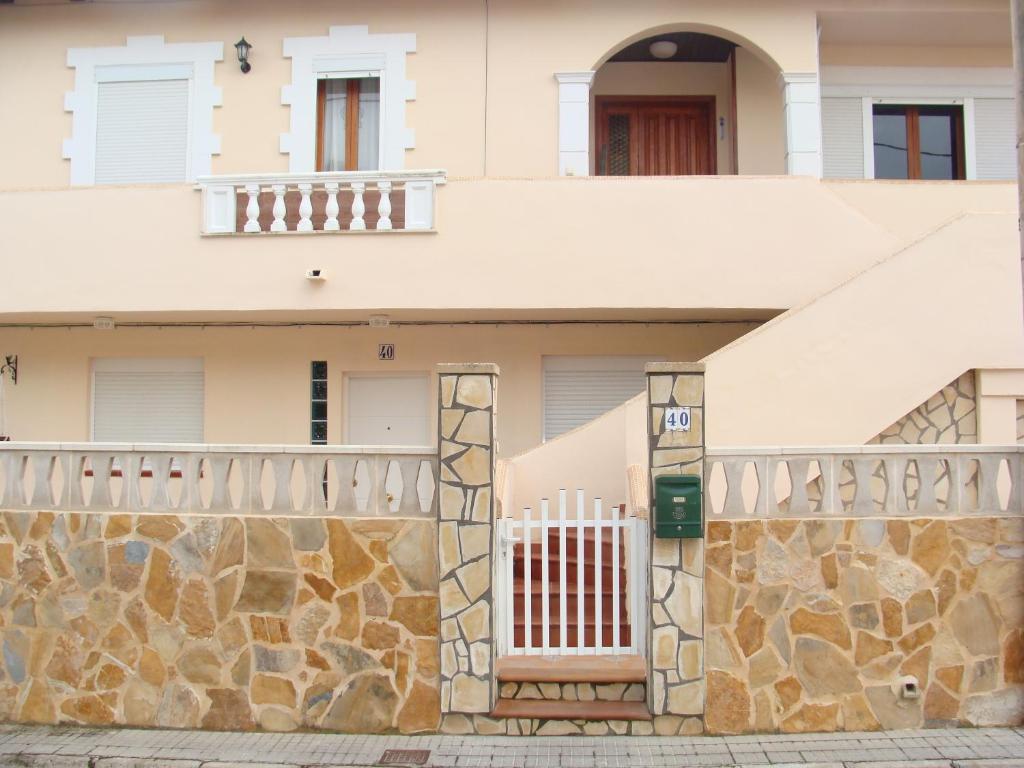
(578,389)
(147,400)
(142,131)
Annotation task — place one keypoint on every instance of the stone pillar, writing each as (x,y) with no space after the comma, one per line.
(676,690)
(466,416)
(574,123)
(802,110)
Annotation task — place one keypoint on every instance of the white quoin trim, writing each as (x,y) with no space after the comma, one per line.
(348,51)
(574,122)
(143,58)
(802,109)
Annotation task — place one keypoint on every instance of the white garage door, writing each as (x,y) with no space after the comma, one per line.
(578,389)
(147,400)
(388,410)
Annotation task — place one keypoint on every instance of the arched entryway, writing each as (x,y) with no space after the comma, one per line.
(682,103)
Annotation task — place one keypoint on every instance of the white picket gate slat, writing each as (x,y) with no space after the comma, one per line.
(628,532)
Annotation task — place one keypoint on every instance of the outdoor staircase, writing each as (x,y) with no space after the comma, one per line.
(581,687)
(572,629)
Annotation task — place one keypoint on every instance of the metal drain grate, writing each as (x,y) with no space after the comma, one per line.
(404,757)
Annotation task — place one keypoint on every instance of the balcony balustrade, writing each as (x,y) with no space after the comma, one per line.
(351,201)
(362,481)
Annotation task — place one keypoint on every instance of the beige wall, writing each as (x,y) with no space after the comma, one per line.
(759,119)
(472,57)
(257,381)
(576,243)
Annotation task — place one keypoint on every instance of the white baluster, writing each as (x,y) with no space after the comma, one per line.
(527,579)
(580,570)
(545,579)
(305,209)
(358,206)
(563,592)
(384,206)
(331,209)
(252,210)
(598,585)
(278,224)
(616,522)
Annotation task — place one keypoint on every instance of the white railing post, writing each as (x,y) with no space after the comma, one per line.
(252,209)
(358,207)
(563,593)
(598,585)
(581,627)
(279,210)
(305,209)
(527,579)
(384,205)
(616,595)
(331,209)
(545,578)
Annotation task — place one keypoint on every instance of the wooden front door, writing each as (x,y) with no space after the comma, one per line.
(658,136)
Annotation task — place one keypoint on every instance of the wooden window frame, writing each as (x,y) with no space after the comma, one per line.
(603,103)
(352,92)
(912,113)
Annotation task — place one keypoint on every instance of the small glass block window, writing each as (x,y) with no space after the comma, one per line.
(318,402)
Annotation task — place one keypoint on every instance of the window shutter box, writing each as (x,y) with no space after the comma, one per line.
(142,131)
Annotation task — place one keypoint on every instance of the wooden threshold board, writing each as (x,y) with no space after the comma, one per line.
(571,669)
(544,709)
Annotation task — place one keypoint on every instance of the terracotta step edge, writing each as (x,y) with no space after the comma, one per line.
(544,709)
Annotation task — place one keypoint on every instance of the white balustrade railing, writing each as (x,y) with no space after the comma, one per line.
(320,202)
(864,481)
(370,481)
(576,584)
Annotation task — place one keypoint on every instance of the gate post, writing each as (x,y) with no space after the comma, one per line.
(467,395)
(676,653)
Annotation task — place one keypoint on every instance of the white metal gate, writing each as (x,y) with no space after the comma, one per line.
(593,584)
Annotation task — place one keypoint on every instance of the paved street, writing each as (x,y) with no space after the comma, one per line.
(63,747)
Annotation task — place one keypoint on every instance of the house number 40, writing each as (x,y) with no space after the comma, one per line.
(677,419)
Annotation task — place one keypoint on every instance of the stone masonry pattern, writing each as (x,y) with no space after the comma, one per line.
(466,424)
(677,668)
(949,416)
(224,623)
(812,624)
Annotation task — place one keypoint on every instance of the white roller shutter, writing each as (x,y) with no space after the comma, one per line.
(842,138)
(579,389)
(142,131)
(995,139)
(147,400)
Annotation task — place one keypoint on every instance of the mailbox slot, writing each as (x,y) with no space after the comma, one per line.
(678,507)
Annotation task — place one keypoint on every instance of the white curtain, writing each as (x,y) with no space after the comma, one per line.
(369,124)
(335,102)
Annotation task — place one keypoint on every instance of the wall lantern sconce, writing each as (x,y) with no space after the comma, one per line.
(10,366)
(243,47)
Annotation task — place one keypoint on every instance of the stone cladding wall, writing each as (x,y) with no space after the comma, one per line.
(219,622)
(810,623)
(948,416)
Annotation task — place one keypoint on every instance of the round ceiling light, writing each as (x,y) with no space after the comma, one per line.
(663,49)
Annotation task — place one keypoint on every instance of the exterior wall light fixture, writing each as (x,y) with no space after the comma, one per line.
(243,47)
(9,366)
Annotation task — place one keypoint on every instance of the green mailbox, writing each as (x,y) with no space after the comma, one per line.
(677,507)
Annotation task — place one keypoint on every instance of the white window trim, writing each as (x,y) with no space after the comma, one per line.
(349,51)
(143,58)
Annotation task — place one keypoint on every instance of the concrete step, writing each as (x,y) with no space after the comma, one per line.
(572,669)
(541,709)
